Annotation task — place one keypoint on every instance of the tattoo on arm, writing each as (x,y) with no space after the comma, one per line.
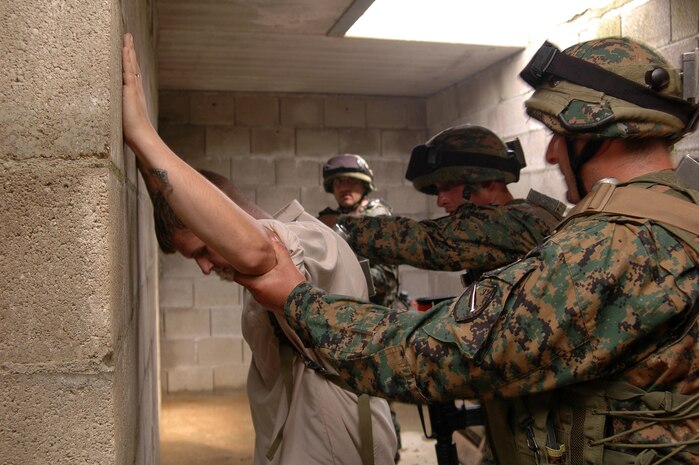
(164,185)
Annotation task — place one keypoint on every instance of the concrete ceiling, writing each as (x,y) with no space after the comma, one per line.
(283,46)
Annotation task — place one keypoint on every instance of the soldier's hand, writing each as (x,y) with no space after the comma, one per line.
(274,287)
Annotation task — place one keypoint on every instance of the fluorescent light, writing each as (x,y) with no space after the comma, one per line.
(489,22)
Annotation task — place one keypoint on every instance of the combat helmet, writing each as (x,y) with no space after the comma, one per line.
(466,153)
(607,88)
(348,165)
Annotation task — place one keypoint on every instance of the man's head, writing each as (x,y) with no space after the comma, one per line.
(349,178)
(601,91)
(173,236)
(464,163)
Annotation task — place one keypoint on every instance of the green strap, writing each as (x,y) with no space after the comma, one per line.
(286,360)
(366,432)
(365,429)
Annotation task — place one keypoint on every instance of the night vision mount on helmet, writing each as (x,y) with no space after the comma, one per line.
(467,153)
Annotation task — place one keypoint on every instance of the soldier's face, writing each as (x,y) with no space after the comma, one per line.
(347,191)
(450,196)
(557,154)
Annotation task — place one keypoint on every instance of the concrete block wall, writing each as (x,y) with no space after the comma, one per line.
(78,352)
(495,97)
(273,146)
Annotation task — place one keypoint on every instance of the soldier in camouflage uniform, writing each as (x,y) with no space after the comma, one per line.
(349,178)
(585,351)
(489,229)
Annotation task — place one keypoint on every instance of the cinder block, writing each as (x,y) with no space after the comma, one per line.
(604,27)
(444,283)
(414,281)
(212,108)
(534,145)
(649,23)
(58,418)
(272,199)
(173,107)
(190,379)
(673,52)
(442,107)
(389,113)
(400,143)
(315,199)
(322,142)
(365,142)
(176,266)
(389,173)
(252,171)
(226,321)
(345,112)
(176,353)
(62,263)
(211,291)
(478,92)
(223,141)
(273,141)
(406,201)
(230,376)
(181,323)
(176,292)
(220,350)
(185,140)
(302,112)
(685,18)
(295,172)
(221,166)
(257,110)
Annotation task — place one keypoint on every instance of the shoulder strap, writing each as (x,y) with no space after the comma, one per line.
(366,432)
(641,203)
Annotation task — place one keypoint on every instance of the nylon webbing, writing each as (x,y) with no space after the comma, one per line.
(286,360)
(366,431)
(639,203)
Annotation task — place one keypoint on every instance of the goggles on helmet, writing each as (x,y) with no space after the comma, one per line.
(426,159)
(549,65)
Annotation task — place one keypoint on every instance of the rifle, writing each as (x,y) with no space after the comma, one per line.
(446,417)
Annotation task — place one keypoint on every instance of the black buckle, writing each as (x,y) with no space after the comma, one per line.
(536,70)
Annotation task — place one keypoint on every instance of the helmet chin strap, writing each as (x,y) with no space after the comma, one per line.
(576,160)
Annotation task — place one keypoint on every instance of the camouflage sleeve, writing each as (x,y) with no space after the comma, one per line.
(590,302)
(473,238)
(385,278)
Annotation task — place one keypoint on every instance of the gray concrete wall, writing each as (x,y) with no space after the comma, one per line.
(274,146)
(78,378)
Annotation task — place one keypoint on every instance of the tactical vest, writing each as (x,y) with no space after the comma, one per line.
(571,425)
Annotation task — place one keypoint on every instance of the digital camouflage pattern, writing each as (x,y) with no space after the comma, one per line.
(385,276)
(473,238)
(588,112)
(605,298)
(474,144)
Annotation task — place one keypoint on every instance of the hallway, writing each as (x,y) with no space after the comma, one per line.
(216,429)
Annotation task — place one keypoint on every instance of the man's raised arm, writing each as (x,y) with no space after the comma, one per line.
(203,208)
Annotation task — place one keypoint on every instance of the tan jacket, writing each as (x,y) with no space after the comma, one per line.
(322,423)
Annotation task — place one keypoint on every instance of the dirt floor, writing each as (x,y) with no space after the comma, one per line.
(216,429)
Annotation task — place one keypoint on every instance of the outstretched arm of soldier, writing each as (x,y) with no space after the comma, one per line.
(204,209)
